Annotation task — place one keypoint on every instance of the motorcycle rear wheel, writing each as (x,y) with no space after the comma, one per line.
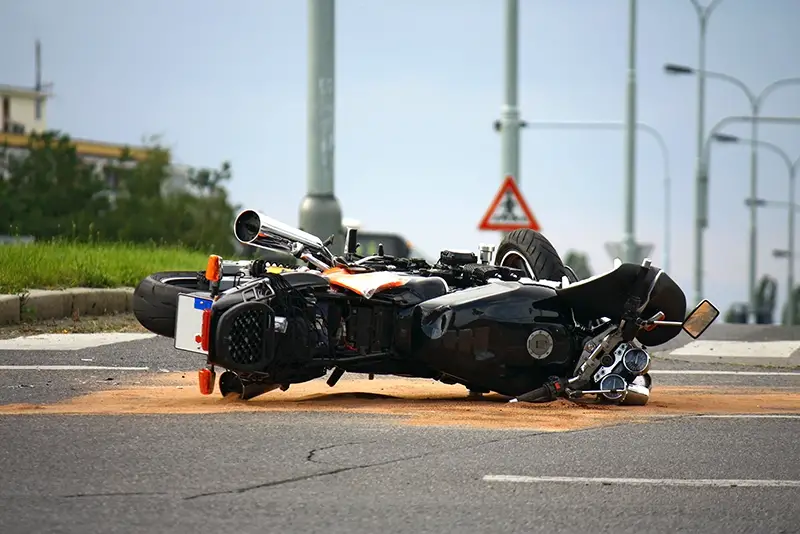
(532,252)
(155,299)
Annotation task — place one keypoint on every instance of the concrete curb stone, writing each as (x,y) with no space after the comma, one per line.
(59,304)
(9,309)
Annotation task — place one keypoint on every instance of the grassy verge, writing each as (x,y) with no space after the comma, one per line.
(60,264)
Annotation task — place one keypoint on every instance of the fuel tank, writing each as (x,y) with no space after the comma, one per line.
(505,337)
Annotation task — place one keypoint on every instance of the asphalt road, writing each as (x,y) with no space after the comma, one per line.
(315,472)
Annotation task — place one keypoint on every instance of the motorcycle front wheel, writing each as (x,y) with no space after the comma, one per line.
(532,252)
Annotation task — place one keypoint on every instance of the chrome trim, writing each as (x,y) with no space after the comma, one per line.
(525,263)
(314,261)
(619,353)
(281,324)
(252,227)
(650,291)
(618,395)
(639,371)
(636,395)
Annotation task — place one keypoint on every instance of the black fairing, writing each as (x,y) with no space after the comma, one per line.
(479,335)
(605,296)
(242,325)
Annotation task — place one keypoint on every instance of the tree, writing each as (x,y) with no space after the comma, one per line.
(579,262)
(49,190)
(52,192)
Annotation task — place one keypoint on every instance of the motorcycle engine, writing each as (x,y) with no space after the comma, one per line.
(627,365)
(268,327)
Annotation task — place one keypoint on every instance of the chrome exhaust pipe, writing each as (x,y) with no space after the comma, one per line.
(231,384)
(256,229)
(638,393)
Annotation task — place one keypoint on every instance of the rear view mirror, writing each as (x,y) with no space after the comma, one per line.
(700,319)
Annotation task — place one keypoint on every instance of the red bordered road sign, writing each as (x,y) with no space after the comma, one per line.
(508,211)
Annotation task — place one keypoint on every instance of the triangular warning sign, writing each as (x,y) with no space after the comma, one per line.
(508,211)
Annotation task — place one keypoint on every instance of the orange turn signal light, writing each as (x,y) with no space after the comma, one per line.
(206,378)
(214,268)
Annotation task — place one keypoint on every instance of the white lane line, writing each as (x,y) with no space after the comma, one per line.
(738,349)
(69,368)
(650,481)
(748,416)
(70,341)
(731,373)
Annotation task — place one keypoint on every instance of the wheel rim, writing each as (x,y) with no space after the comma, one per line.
(515,260)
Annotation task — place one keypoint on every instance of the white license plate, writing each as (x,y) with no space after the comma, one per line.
(189,322)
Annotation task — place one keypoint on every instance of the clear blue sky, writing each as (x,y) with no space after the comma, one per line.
(419,83)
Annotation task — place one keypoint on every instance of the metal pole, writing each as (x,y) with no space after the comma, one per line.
(756,103)
(702,193)
(509,113)
(753,263)
(320,213)
(629,238)
(618,125)
(701,173)
(790,276)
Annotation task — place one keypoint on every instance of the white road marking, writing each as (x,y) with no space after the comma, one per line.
(650,481)
(733,373)
(749,416)
(69,368)
(70,341)
(739,349)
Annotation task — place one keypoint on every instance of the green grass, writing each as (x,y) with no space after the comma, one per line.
(63,264)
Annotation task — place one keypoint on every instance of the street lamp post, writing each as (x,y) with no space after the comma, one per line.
(756,101)
(701,219)
(703,15)
(629,245)
(509,123)
(791,167)
(612,125)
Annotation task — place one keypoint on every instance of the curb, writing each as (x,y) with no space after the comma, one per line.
(42,304)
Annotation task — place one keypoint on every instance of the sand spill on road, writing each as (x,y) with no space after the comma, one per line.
(416,402)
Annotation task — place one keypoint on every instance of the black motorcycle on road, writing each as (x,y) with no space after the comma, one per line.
(512,320)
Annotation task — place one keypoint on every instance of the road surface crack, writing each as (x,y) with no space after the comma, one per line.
(314,451)
(331,472)
(113,494)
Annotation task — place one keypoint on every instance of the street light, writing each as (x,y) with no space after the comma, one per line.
(762,203)
(613,125)
(703,15)
(791,166)
(756,103)
(701,209)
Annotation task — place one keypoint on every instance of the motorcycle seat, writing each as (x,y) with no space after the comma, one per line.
(606,294)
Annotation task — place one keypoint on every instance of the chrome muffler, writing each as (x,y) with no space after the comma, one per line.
(256,229)
(638,392)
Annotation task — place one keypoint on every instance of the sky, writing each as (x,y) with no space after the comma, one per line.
(418,85)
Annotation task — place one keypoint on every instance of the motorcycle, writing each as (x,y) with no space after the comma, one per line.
(511,319)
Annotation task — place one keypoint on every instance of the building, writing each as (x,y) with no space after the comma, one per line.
(23,111)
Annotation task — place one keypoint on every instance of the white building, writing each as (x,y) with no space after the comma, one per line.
(23,111)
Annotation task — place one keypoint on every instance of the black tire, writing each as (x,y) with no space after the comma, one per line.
(155,299)
(531,251)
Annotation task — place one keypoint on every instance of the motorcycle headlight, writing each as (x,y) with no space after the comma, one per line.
(636,361)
